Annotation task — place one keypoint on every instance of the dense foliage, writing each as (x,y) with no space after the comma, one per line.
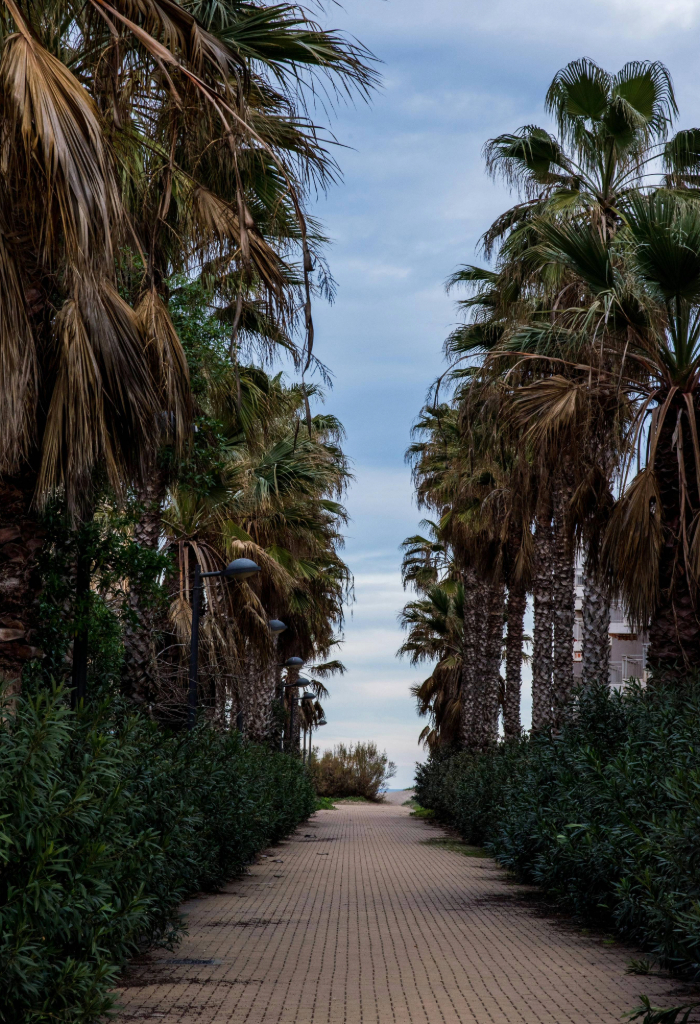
(357,770)
(605,815)
(106,824)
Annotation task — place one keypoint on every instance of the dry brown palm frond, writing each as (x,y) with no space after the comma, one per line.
(275,574)
(182,33)
(103,403)
(549,407)
(18,363)
(61,134)
(214,221)
(632,545)
(168,365)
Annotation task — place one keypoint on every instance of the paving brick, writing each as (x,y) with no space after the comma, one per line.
(384,928)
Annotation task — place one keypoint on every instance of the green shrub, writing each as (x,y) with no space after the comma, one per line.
(606,815)
(106,824)
(357,770)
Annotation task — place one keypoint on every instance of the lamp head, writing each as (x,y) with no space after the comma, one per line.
(241,569)
(322,721)
(303,681)
(276,626)
(307,696)
(294,663)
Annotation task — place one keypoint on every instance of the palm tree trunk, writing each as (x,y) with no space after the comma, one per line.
(596,633)
(674,632)
(542,639)
(261,699)
(469,647)
(563,607)
(493,647)
(21,537)
(140,673)
(517,599)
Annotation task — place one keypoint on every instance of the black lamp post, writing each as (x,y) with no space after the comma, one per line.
(239,569)
(289,663)
(300,681)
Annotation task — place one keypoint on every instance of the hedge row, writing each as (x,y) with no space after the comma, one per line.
(106,824)
(606,815)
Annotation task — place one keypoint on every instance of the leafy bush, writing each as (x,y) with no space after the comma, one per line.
(106,824)
(605,815)
(357,770)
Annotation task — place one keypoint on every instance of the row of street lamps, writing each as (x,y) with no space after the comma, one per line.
(239,569)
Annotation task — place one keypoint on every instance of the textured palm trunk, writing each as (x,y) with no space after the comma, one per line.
(563,607)
(674,632)
(467,689)
(140,674)
(542,638)
(21,538)
(262,696)
(493,649)
(517,599)
(596,633)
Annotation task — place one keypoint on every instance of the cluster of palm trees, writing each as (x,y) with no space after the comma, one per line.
(570,428)
(155,255)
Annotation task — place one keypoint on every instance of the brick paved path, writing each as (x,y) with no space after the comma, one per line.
(360,919)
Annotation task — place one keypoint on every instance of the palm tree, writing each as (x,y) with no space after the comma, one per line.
(141,141)
(644,290)
(435,624)
(271,498)
(610,128)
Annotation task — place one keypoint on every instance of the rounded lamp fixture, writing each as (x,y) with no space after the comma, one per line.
(322,721)
(293,662)
(307,696)
(303,681)
(276,626)
(241,568)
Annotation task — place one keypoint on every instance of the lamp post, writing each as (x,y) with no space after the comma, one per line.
(294,664)
(239,569)
(300,681)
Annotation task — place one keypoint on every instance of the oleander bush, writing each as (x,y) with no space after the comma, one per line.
(106,824)
(605,815)
(357,770)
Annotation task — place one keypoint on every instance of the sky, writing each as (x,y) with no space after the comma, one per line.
(413,203)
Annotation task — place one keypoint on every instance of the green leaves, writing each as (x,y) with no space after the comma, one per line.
(605,816)
(106,824)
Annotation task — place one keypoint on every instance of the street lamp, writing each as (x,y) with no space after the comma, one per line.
(238,569)
(276,626)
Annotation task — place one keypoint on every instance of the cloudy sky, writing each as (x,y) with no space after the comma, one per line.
(413,204)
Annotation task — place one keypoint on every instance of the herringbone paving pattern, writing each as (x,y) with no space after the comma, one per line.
(360,919)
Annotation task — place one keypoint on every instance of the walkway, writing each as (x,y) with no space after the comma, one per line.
(362,918)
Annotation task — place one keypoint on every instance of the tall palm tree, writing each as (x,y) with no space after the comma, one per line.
(644,290)
(435,624)
(610,128)
(141,140)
